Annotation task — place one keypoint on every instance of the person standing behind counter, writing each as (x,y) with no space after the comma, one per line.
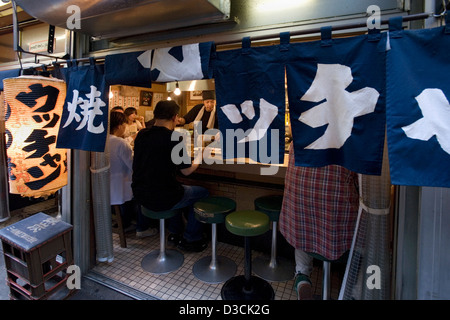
(155,185)
(204,112)
(121,159)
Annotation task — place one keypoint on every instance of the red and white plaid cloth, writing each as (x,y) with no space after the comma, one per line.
(320,208)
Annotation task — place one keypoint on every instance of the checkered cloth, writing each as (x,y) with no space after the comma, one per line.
(320,208)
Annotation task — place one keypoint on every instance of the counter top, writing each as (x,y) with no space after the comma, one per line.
(245,165)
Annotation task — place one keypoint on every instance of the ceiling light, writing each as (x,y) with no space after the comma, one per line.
(278,5)
(177,90)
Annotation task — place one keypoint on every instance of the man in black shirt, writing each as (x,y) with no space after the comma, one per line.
(155,185)
(204,112)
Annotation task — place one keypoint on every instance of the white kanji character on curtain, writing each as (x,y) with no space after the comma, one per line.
(186,64)
(90,108)
(72,108)
(340,107)
(268,113)
(436,114)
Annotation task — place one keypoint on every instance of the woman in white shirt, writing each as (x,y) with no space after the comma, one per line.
(134,123)
(121,171)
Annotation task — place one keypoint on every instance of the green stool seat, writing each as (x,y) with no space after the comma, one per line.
(270,205)
(272,268)
(247,223)
(162,261)
(214,269)
(213,209)
(159,214)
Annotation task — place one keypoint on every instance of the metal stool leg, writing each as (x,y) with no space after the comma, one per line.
(214,269)
(248,266)
(326,287)
(275,268)
(247,287)
(273,251)
(162,261)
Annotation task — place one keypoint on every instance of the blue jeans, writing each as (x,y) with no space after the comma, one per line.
(194,228)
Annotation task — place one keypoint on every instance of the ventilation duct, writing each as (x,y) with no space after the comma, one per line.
(119,18)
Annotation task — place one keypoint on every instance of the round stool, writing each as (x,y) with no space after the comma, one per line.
(247,287)
(273,268)
(162,261)
(214,269)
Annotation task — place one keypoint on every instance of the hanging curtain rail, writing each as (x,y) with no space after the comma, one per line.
(419,16)
(311,31)
(409,18)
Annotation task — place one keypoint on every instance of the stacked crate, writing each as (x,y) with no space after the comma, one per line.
(37,252)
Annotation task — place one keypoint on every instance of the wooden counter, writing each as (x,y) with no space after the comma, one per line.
(248,170)
(241,180)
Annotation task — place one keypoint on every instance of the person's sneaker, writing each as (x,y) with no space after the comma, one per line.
(173,239)
(195,246)
(146,233)
(302,286)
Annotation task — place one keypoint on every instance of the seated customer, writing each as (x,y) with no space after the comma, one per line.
(133,124)
(121,160)
(117,109)
(155,185)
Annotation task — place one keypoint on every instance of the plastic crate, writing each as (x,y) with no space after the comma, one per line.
(37,252)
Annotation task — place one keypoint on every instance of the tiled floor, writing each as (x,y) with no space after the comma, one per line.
(125,273)
(182,284)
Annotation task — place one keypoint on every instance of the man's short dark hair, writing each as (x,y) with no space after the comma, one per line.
(166,110)
(117,108)
(116,119)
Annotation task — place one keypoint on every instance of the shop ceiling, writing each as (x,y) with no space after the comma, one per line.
(106,19)
(6,17)
(206,20)
(122,25)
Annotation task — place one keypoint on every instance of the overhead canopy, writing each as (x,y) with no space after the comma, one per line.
(119,18)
